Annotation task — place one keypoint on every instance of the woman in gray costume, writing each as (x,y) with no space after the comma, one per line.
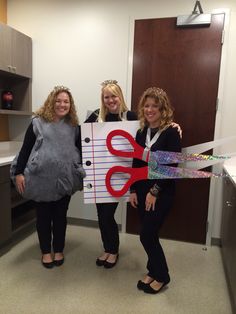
(48,170)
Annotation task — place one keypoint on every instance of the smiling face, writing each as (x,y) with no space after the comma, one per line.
(151,111)
(61,106)
(111,101)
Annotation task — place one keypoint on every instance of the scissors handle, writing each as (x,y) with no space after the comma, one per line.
(136,175)
(136,153)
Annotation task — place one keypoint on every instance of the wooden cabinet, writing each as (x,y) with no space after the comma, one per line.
(22,212)
(17,215)
(16,69)
(21,54)
(5,205)
(16,52)
(5,47)
(228,237)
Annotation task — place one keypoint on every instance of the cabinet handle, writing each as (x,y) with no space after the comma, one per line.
(11,69)
(229,204)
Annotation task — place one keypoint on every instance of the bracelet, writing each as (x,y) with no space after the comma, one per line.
(154,191)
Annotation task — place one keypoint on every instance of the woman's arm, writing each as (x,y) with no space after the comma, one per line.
(28,144)
(178,127)
(23,157)
(78,141)
(93,117)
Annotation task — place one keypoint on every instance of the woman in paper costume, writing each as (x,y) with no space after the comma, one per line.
(113,108)
(154,198)
(48,170)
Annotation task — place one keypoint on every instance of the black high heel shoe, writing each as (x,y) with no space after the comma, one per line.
(100,262)
(47,265)
(142,285)
(149,289)
(107,264)
(59,262)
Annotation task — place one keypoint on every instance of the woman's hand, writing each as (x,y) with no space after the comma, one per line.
(133,199)
(150,202)
(176,125)
(20,183)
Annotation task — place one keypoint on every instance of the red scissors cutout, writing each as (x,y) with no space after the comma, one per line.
(135,173)
(155,169)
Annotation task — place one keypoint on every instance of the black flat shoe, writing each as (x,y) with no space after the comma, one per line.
(58,262)
(142,285)
(149,289)
(107,264)
(47,265)
(100,262)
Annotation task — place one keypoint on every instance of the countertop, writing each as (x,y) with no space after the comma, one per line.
(8,150)
(230,168)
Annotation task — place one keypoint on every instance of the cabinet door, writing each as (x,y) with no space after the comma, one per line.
(227,227)
(228,236)
(21,61)
(232,228)
(15,52)
(5,205)
(5,47)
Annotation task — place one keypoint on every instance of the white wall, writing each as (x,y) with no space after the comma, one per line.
(81,43)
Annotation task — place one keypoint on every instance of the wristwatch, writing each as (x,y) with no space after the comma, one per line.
(155,190)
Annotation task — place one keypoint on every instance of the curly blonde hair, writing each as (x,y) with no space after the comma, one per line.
(161,98)
(47,110)
(115,89)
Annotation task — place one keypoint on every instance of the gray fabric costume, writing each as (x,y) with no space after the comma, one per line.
(54,167)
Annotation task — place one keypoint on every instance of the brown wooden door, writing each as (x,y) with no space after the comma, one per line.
(186,63)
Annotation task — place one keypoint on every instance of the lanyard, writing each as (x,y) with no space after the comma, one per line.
(149,142)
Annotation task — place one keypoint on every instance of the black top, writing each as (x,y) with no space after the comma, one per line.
(169,140)
(110,117)
(28,144)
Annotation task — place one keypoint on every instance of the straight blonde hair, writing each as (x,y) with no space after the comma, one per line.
(114,89)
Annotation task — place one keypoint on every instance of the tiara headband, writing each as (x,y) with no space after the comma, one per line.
(156,90)
(60,88)
(105,83)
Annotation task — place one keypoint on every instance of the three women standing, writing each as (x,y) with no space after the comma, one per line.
(55,174)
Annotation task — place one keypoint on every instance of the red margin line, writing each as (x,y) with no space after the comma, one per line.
(93,159)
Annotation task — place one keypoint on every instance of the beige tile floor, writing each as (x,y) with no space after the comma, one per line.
(197,279)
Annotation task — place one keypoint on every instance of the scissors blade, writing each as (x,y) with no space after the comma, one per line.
(200,148)
(203,164)
(167,172)
(164,157)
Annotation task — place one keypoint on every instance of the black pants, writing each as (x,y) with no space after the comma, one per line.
(51,224)
(151,222)
(108,227)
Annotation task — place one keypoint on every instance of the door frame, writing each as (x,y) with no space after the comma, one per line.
(215,194)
